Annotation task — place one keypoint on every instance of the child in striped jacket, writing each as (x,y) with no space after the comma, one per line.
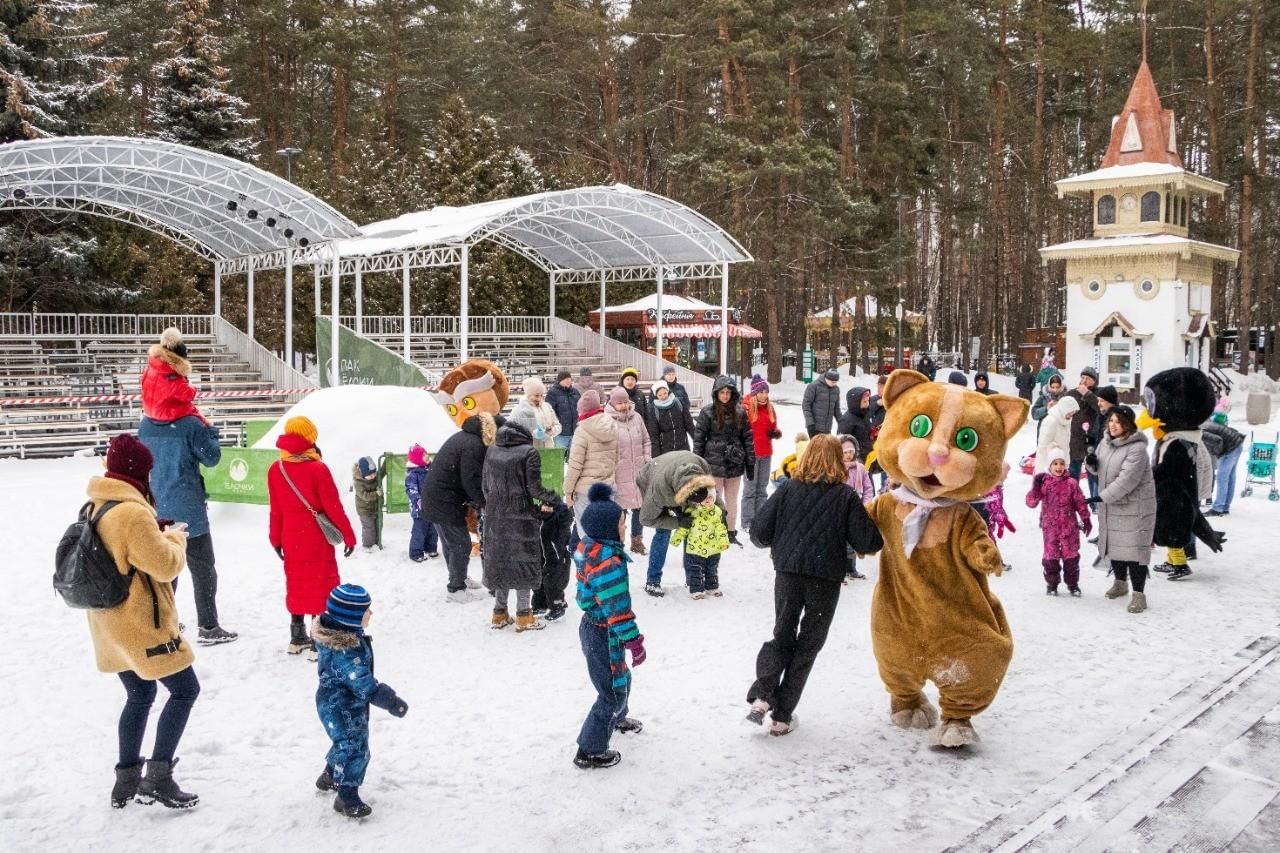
(608,629)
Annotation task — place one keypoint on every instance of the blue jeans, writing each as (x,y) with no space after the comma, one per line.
(701,573)
(562,441)
(658,555)
(183,687)
(423,540)
(1227,465)
(612,689)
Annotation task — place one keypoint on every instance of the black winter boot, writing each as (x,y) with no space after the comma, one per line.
(158,784)
(325,782)
(299,640)
(585,761)
(348,803)
(126,786)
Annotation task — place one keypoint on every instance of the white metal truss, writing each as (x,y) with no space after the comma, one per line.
(435,256)
(614,275)
(202,200)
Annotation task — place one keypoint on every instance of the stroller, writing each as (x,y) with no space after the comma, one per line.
(1261,467)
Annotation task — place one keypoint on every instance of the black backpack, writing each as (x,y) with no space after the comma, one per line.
(85,573)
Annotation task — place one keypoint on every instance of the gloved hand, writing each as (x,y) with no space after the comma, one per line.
(539,433)
(1091,460)
(399,709)
(636,647)
(346,552)
(1000,522)
(280,551)
(1086,527)
(775,434)
(1096,500)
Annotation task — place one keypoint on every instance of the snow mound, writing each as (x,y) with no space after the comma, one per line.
(367,420)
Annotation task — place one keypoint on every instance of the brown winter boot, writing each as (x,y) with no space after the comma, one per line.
(526,621)
(1119,589)
(637,546)
(1139,602)
(500,620)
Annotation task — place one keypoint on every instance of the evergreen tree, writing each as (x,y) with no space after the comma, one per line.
(193,105)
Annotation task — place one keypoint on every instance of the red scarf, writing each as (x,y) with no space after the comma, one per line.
(591,414)
(137,484)
(295,448)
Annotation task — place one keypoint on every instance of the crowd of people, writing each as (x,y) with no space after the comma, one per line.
(633,461)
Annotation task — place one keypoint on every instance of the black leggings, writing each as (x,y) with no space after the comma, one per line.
(1132,572)
(183,689)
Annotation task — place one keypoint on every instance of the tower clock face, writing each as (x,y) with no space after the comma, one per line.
(1128,203)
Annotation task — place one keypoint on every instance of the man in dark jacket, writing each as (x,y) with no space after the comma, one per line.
(179,448)
(456,485)
(982,384)
(563,400)
(1084,416)
(1025,382)
(928,367)
(1108,397)
(669,377)
(821,403)
(1225,446)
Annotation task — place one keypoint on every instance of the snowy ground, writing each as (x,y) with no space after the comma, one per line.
(483,758)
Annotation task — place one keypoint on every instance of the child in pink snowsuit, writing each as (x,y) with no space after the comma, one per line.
(1058,495)
(860,481)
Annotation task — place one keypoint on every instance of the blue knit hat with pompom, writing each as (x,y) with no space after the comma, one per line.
(600,518)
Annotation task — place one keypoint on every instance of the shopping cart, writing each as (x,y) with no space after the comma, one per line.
(1260,470)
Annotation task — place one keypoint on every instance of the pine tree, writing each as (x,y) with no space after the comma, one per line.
(193,105)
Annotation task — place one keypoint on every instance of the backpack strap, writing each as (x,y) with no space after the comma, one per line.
(133,570)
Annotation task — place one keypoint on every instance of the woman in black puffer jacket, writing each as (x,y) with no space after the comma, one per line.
(722,436)
(670,422)
(808,522)
(857,420)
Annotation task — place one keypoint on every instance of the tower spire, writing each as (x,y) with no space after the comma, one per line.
(1144,29)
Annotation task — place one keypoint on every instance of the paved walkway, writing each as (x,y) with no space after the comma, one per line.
(1201,772)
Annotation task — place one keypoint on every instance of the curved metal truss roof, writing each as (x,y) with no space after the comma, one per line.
(564,232)
(219,207)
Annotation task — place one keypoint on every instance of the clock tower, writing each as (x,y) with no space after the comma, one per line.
(1138,290)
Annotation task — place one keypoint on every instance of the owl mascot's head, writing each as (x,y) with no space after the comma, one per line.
(474,387)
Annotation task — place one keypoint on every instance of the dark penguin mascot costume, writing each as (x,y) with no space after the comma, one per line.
(1177,402)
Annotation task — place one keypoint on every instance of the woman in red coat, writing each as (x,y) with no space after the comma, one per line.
(310,567)
(764,429)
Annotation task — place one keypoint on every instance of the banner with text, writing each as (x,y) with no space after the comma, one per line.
(361,361)
(241,476)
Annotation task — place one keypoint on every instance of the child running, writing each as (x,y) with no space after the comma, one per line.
(347,689)
(608,628)
(1058,495)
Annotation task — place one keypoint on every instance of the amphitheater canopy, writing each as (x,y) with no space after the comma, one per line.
(224,209)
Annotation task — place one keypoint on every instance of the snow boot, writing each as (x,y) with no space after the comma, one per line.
(158,784)
(1139,602)
(500,619)
(778,728)
(556,611)
(1051,590)
(1075,591)
(1163,568)
(325,780)
(1119,589)
(758,709)
(526,621)
(608,758)
(299,641)
(654,589)
(954,733)
(126,786)
(1180,573)
(349,804)
(629,726)
(216,636)
(637,546)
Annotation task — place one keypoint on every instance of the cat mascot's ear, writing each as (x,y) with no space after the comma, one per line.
(899,383)
(1012,411)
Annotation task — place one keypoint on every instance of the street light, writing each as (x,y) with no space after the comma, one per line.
(288,154)
(897,312)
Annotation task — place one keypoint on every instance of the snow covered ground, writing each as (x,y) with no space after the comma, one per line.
(483,758)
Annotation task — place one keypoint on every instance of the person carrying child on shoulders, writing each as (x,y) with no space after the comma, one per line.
(366,482)
(608,629)
(423,541)
(347,688)
(1058,495)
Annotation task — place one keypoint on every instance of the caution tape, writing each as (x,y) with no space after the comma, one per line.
(136,398)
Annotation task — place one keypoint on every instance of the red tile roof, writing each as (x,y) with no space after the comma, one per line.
(1153,123)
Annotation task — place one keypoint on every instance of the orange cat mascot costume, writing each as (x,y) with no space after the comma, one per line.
(932,616)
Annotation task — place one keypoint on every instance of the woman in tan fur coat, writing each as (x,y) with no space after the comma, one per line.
(139,639)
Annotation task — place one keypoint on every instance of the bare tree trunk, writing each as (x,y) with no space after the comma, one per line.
(1246,312)
(1215,214)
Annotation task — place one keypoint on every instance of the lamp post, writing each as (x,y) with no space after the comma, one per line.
(897,312)
(288,154)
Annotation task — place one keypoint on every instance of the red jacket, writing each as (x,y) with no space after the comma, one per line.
(310,565)
(166,391)
(764,423)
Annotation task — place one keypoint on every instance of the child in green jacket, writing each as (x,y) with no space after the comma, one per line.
(366,482)
(705,535)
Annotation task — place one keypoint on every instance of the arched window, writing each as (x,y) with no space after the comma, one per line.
(1107,210)
(1183,221)
(1151,207)
(1168,207)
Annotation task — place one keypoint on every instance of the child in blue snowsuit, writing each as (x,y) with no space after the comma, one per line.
(608,629)
(347,689)
(423,541)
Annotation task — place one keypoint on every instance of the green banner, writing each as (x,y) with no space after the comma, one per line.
(552,469)
(254,430)
(241,476)
(361,361)
(394,464)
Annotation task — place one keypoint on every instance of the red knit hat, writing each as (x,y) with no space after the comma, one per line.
(130,457)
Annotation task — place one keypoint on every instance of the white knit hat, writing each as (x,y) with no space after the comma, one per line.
(170,337)
(659,385)
(1055,454)
(533,385)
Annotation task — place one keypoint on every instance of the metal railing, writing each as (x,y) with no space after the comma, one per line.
(258,357)
(60,326)
(447,326)
(616,352)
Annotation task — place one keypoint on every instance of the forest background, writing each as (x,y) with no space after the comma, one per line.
(878,148)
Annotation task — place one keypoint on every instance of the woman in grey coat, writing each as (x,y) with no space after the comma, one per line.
(1127,511)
